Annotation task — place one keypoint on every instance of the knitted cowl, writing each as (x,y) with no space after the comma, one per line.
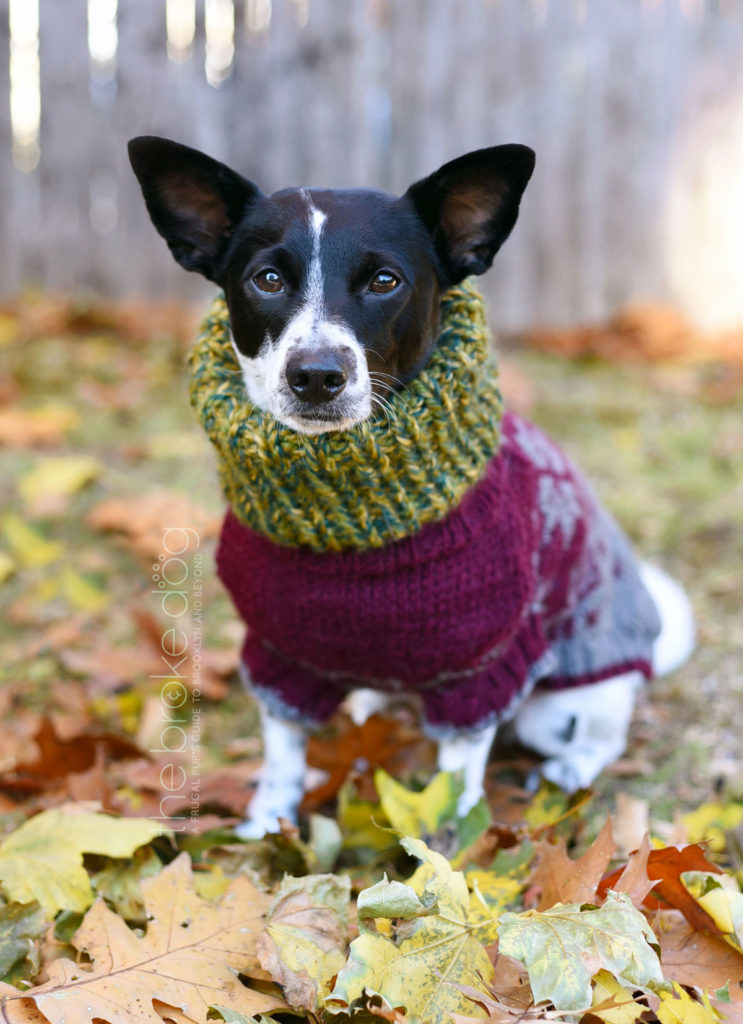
(376,483)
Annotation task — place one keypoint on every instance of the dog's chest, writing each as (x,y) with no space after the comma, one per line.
(435,603)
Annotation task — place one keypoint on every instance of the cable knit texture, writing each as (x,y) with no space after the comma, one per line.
(365,487)
(450,552)
(527,580)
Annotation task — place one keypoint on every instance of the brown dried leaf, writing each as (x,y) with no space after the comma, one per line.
(694,958)
(143,521)
(190,957)
(634,878)
(665,868)
(558,879)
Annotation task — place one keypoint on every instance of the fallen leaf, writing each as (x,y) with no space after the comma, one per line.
(304,944)
(711,821)
(432,811)
(697,958)
(419,966)
(190,957)
(678,1007)
(21,927)
(144,522)
(634,878)
(58,757)
(721,898)
(564,947)
(665,867)
(30,428)
(613,1002)
(43,859)
(30,547)
(381,742)
(629,822)
(558,879)
(52,480)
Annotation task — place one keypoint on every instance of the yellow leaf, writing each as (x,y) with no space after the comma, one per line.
(721,897)
(212,883)
(711,821)
(7,567)
(304,945)
(58,477)
(360,822)
(426,957)
(190,958)
(613,1002)
(678,1007)
(43,859)
(491,893)
(418,814)
(30,548)
(8,328)
(81,594)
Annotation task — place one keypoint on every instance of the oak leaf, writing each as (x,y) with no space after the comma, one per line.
(379,743)
(664,868)
(558,879)
(189,958)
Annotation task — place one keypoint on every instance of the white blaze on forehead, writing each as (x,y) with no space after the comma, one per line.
(265,373)
(315,286)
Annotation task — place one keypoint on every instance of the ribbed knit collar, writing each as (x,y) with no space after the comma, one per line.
(375,483)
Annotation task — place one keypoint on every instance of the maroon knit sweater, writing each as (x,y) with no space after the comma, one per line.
(527,581)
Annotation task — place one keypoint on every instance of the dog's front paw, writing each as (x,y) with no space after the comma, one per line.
(270,804)
(257,828)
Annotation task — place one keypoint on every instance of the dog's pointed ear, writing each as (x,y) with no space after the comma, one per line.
(471,204)
(194,201)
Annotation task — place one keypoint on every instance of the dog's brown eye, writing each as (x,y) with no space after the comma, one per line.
(384,282)
(269,281)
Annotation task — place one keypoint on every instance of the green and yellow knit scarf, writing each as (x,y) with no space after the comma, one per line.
(375,483)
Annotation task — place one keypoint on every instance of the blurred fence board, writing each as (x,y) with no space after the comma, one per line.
(635,109)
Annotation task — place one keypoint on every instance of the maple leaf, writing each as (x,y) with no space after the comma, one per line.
(189,958)
(304,944)
(634,878)
(43,859)
(564,947)
(558,879)
(427,956)
(379,743)
(665,867)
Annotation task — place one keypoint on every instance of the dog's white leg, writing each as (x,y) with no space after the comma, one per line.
(362,704)
(281,784)
(677,635)
(467,752)
(580,730)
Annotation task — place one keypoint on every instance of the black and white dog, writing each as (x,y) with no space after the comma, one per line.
(334,301)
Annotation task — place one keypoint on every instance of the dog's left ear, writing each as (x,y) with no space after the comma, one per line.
(471,204)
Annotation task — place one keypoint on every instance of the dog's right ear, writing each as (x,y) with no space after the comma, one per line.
(194,202)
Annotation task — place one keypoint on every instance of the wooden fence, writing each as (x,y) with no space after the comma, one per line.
(635,109)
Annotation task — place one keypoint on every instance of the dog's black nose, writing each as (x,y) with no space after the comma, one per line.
(318,375)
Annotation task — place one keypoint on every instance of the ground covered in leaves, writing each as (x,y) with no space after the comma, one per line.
(118,649)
